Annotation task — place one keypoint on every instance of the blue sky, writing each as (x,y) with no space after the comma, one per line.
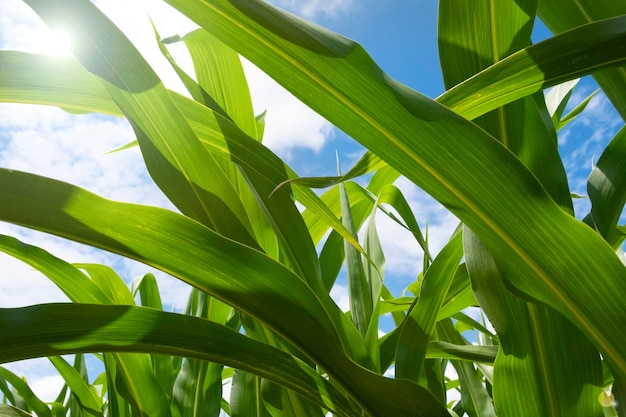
(400,35)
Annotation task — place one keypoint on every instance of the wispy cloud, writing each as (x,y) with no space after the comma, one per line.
(311,9)
(290,124)
(584,139)
(339,294)
(402,252)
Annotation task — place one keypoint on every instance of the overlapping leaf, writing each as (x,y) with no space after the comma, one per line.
(226,269)
(472,36)
(563,15)
(452,159)
(53,329)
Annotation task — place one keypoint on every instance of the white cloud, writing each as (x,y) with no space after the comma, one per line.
(42,377)
(339,293)
(311,9)
(290,124)
(404,257)
(22,285)
(584,140)
(453,394)
(48,387)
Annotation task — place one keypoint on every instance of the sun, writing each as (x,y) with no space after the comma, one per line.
(57,42)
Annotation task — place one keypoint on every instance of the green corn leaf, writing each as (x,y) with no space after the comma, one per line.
(109,282)
(198,389)
(21,389)
(30,332)
(485,33)
(465,322)
(391,195)
(374,269)
(231,271)
(548,63)
(76,285)
(31,78)
(275,399)
(538,370)
(79,387)
(106,288)
(218,135)
(462,352)
(245,396)
(563,15)
(198,385)
(545,64)
(474,396)
(575,111)
(459,296)
(196,91)
(606,187)
(419,325)
(481,182)
(558,97)
(285,403)
(198,94)
(359,289)
(220,73)
(174,156)
(19,71)
(7,394)
(116,404)
(501,30)
(532,69)
(147,288)
(10,411)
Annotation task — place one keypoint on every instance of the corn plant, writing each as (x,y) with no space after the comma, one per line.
(486,149)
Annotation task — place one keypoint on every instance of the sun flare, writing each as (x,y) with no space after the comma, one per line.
(57,42)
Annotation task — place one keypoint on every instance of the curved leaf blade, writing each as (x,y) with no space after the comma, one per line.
(540,66)
(563,15)
(606,187)
(89,401)
(226,269)
(54,329)
(481,182)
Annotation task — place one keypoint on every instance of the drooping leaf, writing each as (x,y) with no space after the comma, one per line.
(54,329)
(106,288)
(481,182)
(233,272)
(576,111)
(31,78)
(174,156)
